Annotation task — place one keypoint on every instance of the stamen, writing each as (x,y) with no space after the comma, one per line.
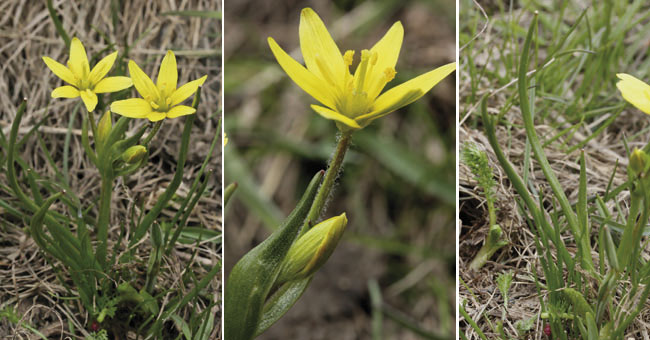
(379,83)
(348,57)
(154,105)
(389,73)
(363,69)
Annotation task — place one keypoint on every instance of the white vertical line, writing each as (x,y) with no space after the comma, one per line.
(457,221)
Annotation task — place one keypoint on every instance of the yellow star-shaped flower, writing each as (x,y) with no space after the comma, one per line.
(159,100)
(352,100)
(84,82)
(635,91)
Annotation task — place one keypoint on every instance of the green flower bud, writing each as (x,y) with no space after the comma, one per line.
(638,162)
(134,154)
(312,250)
(104,127)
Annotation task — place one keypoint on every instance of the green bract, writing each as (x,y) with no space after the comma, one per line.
(252,278)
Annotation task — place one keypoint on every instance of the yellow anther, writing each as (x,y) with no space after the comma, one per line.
(348,57)
(168,101)
(154,105)
(365,55)
(389,73)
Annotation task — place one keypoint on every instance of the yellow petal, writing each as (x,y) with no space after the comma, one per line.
(60,70)
(333,115)
(132,108)
(635,91)
(89,98)
(322,57)
(180,110)
(301,76)
(65,92)
(186,91)
(155,116)
(101,69)
(168,74)
(142,82)
(408,92)
(113,84)
(387,50)
(78,61)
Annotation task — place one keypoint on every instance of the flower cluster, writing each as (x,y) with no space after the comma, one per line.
(160,100)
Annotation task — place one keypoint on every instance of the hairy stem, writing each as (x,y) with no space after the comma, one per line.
(333,169)
(153,132)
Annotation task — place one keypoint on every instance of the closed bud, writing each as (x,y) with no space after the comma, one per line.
(134,154)
(104,127)
(638,162)
(312,250)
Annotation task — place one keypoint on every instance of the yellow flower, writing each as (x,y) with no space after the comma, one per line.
(84,82)
(634,91)
(159,100)
(353,101)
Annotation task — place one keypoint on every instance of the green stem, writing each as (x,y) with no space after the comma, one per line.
(93,125)
(153,132)
(491,212)
(103,219)
(333,169)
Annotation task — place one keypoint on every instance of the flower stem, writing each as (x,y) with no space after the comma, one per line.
(93,125)
(333,169)
(153,132)
(104,216)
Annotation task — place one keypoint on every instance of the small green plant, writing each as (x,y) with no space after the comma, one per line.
(477,161)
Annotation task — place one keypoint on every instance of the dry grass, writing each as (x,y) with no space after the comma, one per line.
(27,280)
